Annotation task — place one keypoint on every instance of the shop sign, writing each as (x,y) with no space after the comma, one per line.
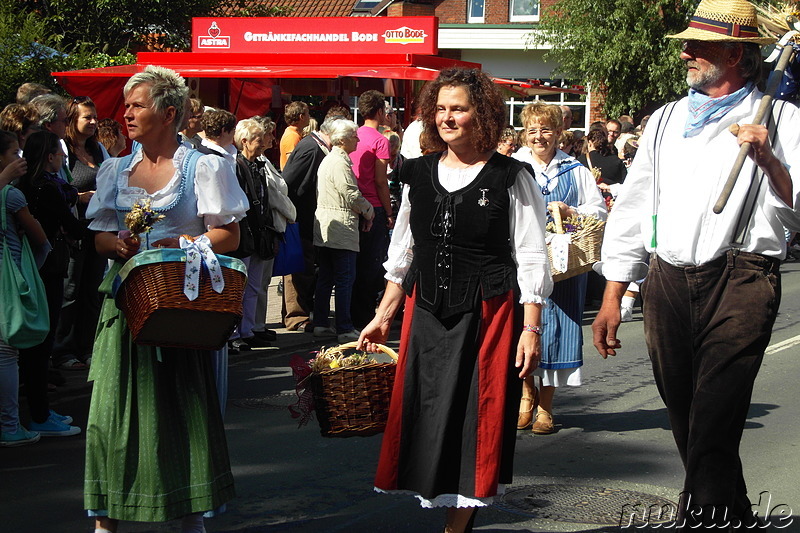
(316,35)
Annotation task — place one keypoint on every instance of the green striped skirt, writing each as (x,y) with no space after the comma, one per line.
(155,440)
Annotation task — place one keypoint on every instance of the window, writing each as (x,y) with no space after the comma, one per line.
(576,102)
(523,11)
(366,5)
(475,13)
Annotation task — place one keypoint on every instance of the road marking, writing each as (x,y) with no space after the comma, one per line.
(783,345)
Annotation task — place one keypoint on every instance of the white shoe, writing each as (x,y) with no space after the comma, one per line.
(626,313)
(324,332)
(349,336)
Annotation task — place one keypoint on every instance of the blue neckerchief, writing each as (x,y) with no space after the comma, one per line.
(569,163)
(703,109)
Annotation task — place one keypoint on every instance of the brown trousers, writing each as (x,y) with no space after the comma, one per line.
(706,329)
(298,291)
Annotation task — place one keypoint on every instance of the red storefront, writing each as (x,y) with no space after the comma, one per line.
(253,65)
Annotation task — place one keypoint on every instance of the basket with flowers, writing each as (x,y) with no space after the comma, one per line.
(573,244)
(350,392)
(184,297)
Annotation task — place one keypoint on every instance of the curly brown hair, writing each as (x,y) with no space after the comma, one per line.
(108,131)
(18,118)
(215,121)
(489,117)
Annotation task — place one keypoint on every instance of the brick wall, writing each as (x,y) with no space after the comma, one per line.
(407,9)
(496,12)
(451,11)
(455,11)
(596,107)
(545,5)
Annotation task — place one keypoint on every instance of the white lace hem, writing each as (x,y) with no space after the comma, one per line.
(572,377)
(449,500)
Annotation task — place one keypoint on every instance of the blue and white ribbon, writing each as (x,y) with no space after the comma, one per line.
(559,250)
(198,253)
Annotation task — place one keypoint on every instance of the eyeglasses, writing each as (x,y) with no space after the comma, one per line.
(543,131)
(80,99)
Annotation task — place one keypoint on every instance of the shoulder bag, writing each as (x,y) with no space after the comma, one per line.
(24,317)
(289,258)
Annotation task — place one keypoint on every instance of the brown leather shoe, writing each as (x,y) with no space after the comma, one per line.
(525,418)
(543,424)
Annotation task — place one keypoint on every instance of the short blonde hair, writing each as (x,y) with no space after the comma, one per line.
(167,89)
(543,113)
(266,123)
(247,130)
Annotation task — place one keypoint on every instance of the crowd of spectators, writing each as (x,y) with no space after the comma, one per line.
(64,143)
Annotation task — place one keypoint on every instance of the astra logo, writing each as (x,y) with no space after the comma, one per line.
(213,39)
(404,35)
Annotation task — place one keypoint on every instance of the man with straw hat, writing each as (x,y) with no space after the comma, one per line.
(713,285)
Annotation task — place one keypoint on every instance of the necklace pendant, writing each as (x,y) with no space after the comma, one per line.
(483,201)
(545,190)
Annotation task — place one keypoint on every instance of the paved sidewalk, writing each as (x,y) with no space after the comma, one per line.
(612,457)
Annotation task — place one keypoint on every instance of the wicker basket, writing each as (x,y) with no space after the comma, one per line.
(354,401)
(584,249)
(149,291)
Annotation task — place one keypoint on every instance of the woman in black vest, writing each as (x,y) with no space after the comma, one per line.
(468,245)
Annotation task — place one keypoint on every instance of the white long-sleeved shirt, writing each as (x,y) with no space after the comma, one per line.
(691,173)
(526,220)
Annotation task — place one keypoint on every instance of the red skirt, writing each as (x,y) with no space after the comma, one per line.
(452,420)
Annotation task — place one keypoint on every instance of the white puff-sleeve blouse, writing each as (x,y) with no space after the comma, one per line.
(526,222)
(220,199)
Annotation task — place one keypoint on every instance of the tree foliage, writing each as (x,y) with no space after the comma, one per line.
(618,45)
(26,52)
(29,52)
(115,25)
(38,37)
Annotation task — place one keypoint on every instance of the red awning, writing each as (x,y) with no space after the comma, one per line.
(277,66)
(105,84)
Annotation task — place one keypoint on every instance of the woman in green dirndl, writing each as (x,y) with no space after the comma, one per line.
(155,441)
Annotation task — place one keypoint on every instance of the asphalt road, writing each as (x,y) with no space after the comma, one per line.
(613,445)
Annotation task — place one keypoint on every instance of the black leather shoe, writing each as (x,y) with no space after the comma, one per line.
(238,345)
(267,335)
(256,342)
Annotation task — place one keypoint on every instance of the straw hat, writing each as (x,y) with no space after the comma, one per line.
(724,21)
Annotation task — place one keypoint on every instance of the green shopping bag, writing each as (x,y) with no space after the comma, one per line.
(24,316)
